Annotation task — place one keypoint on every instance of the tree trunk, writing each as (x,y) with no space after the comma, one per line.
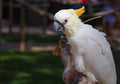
(0,21)
(10,15)
(22,29)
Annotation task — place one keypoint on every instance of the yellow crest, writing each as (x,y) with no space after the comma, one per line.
(80,11)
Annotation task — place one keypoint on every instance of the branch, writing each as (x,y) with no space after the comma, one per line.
(103,13)
(35,9)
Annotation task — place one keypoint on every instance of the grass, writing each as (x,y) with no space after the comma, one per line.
(32,67)
(30,38)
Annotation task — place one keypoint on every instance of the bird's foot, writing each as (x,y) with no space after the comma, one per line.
(86,80)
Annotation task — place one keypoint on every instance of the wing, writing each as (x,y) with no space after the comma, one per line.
(98,57)
(103,44)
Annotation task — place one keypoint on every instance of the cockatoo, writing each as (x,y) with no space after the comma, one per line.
(90,50)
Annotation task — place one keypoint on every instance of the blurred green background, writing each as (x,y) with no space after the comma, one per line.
(30,67)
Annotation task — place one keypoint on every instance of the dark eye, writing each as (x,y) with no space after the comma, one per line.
(65,21)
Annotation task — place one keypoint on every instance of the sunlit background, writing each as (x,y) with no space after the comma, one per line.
(27,38)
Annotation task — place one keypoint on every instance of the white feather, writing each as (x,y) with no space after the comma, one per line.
(91,51)
(96,54)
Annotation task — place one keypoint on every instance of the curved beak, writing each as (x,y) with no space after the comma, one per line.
(58,27)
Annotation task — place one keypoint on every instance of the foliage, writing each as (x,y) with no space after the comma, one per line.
(30,38)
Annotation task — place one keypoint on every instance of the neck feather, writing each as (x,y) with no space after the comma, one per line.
(71,30)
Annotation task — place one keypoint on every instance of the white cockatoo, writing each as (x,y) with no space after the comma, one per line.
(91,52)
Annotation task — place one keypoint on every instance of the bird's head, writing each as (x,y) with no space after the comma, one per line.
(66,19)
